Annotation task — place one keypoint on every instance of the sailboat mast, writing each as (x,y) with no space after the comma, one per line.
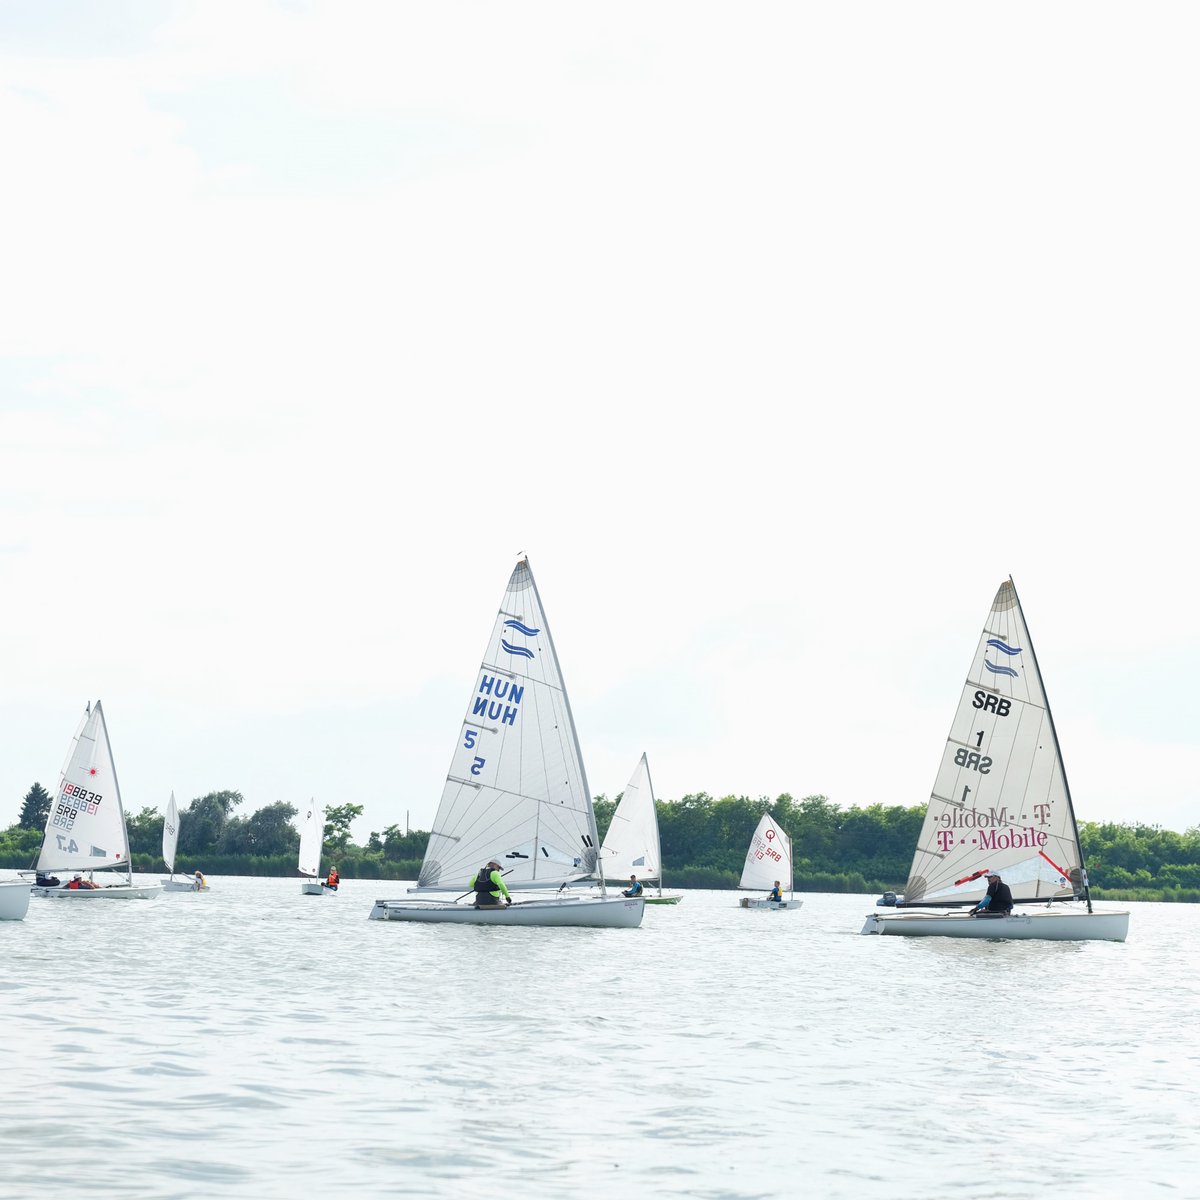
(1062,766)
(593,832)
(117,786)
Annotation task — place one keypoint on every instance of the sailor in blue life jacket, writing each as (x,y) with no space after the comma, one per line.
(634,889)
(489,885)
(998,902)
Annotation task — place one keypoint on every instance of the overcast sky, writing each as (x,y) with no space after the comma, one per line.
(776,335)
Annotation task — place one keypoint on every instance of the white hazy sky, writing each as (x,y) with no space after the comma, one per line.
(775,334)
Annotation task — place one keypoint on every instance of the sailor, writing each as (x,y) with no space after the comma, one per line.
(634,889)
(199,880)
(79,883)
(775,893)
(998,902)
(489,885)
(333,879)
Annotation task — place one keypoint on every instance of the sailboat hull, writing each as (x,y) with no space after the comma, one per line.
(620,913)
(182,885)
(14,900)
(778,905)
(316,889)
(1042,925)
(666,898)
(116,891)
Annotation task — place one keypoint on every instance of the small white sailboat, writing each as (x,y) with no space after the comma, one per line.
(516,791)
(85,829)
(631,845)
(170,840)
(768,861)
(1001,804)
(14,899)
(312,836)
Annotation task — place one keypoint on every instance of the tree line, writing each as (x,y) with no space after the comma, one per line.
(704,840)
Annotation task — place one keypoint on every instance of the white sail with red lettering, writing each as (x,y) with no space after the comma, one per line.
(769,857)
(1000,802)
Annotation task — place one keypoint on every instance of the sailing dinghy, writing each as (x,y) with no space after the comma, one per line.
(768,859)
(1001,804)
(85,829)
(631,844)
(516,791)
(312,835)
(170,840)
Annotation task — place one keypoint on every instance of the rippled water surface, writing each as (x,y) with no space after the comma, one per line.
(254,1042)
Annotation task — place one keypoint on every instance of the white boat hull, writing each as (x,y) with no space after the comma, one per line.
(596,913)
(1042,924)
(115,891)
(14,899)
(778,905)
(182,885)
(316,889)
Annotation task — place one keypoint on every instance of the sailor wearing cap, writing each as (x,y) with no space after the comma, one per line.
(488,884)
(999,899)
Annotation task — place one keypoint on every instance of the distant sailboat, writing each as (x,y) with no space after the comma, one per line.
(631,844)
(312,835)
(170,839)
(85,829)
(768,859)
(1001,804)
(516,790)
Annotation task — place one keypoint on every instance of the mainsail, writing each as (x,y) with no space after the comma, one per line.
(312,834)
(170,834)
(631,845)
(516,789)
(769,857)
(1000,802)
(85,829)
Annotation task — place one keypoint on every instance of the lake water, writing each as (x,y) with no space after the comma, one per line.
(252,1042)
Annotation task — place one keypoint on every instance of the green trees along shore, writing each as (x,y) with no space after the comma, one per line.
(704,840)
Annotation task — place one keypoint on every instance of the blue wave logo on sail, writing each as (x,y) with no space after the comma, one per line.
(522,628)
(529,653)
(995,670)
(997,644)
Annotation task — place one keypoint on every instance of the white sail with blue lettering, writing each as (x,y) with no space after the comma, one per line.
(516,789)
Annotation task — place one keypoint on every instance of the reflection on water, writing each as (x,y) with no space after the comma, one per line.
(254,1042)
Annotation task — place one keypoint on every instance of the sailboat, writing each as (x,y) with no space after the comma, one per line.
(516,791)
(1001,804)
(631,845)
(85,829)
(769,859)
(312,836)
(170,840)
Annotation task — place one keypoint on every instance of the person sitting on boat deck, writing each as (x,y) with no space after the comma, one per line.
(775,893)
(634,889)
(489,885)
(79,883)
(41,880)
(199,881)
(998,902)
(333,879)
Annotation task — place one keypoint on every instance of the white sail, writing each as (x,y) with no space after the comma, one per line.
(312,834)
(170,834)
(516,789)
(1000,802)
(85,829)
(769,857)
(631,845)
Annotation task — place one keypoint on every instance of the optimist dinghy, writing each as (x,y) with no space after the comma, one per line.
(631,845)
(768,859)
(312,836)
(170,840)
